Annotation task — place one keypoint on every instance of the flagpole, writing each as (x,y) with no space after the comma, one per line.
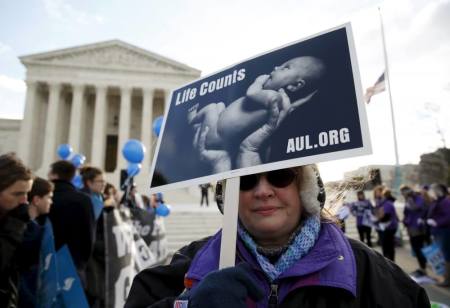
(388,83)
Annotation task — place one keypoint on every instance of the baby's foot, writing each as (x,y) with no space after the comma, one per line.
(192,113)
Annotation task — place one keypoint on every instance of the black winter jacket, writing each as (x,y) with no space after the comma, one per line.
(380,283)
(11,235)
(72,217)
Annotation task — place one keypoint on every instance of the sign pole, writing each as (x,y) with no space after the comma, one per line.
(229,223)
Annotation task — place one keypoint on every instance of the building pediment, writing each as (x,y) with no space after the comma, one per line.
(111,55)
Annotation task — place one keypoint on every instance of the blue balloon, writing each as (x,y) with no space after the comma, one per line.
(133,169)
(77,181)
(162,210)
(64,151)
(133,151)
(157,125)
(77,160)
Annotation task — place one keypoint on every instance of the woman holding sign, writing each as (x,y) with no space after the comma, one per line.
(289,253)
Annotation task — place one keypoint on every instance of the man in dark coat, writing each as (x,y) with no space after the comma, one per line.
(72,216)
(15,182)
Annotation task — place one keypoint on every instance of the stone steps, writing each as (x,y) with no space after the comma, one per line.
(189,223)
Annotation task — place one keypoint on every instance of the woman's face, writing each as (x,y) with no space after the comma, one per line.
(110,192)
(378,193)
(97,185)
(270,214)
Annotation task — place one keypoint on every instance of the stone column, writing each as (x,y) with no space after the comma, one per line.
(98,135)
(75,117)
(146,127)
(26,128)
(49,153)
(167,93)
(124,123)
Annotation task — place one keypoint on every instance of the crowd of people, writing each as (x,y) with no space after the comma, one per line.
(290,251)
(425,217)
(28,202)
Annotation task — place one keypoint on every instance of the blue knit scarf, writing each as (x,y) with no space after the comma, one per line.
(299,247)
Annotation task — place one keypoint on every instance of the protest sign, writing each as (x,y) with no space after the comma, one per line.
(47,289)
(435,258)
(71,290)
(127,253)
(295,105)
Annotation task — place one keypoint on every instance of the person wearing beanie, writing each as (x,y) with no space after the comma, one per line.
(289,253)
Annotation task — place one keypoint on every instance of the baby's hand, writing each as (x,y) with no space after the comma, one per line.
(261,79)
(257,85)
(192,113)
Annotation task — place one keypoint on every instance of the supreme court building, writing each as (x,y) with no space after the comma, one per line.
(95,97)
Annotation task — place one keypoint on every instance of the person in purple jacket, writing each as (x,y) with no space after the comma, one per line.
(289,253)
(414,215)
(439,221)
(363,210)
(387,223)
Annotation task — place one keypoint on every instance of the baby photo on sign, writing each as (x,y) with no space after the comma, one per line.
(244,124)
(294,102)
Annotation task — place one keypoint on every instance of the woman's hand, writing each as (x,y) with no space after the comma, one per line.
(249,150)
(224,288)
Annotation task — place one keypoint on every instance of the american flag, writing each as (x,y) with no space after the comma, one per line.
(378,87)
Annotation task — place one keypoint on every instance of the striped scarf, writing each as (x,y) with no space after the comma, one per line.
(299,247)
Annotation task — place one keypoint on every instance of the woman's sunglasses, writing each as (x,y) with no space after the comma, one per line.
(277,178)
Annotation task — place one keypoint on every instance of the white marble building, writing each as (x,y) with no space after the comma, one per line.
(95,97)
(9,134)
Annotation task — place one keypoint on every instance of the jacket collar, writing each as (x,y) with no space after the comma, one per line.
(331,261)
(62,185)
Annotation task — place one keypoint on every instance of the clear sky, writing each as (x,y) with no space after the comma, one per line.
(210,35)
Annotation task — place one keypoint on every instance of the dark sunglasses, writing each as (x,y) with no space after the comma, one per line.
(277,178)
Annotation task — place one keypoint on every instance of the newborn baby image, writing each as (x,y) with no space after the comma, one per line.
(289,85)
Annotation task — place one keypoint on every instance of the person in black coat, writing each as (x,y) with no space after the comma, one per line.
(15,182)
(72,216)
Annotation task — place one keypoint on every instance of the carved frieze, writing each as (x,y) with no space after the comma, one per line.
(111,56)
